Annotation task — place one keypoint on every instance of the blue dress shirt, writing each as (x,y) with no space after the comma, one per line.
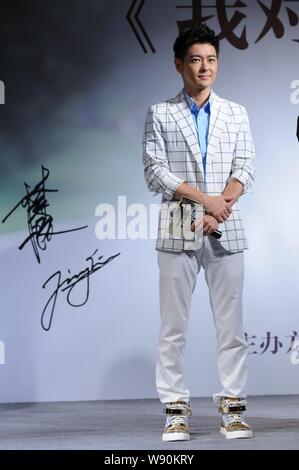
(201,117)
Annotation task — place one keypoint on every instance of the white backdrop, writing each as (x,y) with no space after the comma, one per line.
(106,348)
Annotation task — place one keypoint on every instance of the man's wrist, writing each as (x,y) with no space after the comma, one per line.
(203,198)
(210,215)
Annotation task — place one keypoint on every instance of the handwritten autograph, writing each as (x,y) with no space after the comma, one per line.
(68,284)
(40,223)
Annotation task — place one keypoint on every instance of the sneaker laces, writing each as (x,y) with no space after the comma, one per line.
(170,420)
(231,418)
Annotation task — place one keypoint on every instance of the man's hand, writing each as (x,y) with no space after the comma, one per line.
(232,202)
(208,224)
(218,206)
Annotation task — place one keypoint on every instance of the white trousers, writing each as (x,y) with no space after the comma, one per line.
(224,274)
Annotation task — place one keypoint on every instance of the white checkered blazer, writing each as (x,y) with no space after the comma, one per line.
(171,155)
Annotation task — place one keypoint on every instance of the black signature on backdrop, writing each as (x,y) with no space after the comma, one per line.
(68,285)
(40,223)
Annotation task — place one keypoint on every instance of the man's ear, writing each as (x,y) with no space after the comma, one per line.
(178,65)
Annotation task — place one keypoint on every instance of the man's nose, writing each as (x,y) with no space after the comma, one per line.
(204,65)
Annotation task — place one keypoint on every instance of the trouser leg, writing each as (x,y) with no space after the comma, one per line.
(224,274)
(178,273)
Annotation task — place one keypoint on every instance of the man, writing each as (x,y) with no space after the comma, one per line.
(199,147)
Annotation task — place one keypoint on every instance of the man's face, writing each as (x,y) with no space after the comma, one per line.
(199,68)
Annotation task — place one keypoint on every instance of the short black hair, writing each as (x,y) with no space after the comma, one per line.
(201,34)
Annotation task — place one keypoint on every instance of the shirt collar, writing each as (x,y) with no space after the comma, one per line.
(194,107)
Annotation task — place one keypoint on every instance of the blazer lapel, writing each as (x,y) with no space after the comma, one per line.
(182,115)
(218,119)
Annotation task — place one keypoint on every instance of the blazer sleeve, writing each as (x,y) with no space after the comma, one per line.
(158,176)
(244,155)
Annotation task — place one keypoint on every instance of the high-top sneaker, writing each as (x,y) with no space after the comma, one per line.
(233,426)
(176,426)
